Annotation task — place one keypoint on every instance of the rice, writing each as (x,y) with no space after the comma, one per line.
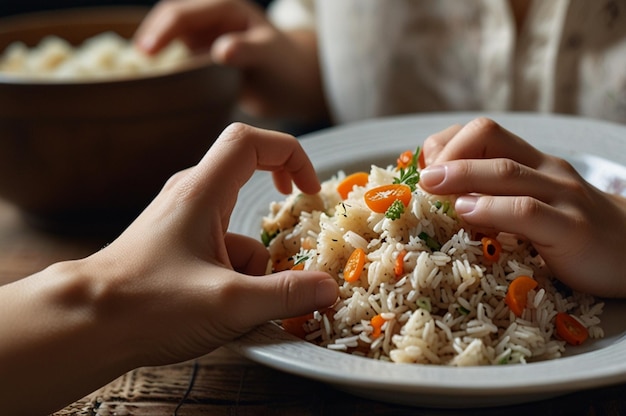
(447,306)
(106,55)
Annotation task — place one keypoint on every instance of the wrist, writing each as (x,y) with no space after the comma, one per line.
(57,344)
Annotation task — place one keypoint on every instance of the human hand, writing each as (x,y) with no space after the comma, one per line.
(174,286)
(280,70)
(507,185)
(185,279)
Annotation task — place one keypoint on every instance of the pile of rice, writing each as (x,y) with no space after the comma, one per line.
(448,308)
(106,55)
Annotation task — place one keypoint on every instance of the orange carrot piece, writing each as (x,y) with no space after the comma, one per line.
(569,329)
(299,266)
(491,249)
(354,266)
(405,159)
(517,296)
(295,325)
(379,199)
(398,268)
(377,323)
(421,162)
(350,181)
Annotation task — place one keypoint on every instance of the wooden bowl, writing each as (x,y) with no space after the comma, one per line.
(79,155)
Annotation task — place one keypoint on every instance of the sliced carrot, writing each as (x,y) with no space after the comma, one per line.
(569,329)
(405,159)
(421,162)
(398,268)
(491,249)
(379,199)
(299,266)
(517,295)
(377,323)
(354,266)
(295,325)
(350,181)
(278,265)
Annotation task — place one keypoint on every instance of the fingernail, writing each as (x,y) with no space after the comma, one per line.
(433,175)
(326,293)
(465,204)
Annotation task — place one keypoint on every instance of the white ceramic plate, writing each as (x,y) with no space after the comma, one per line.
(596,149)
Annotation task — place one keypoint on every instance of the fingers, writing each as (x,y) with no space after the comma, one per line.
(520,215)
(506,183)
(246,254)
(492,177)
(507,196)
(481,138)
(234,157)
(197,23)
(435,143)
(156,30)
(241,149)
(282,295)
(242,49)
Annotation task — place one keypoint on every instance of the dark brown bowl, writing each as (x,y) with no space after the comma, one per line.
(87,154)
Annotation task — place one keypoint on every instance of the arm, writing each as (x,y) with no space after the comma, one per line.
(280,68)
(507,185)
(174,286)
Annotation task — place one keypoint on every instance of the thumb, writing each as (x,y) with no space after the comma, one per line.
(287,294)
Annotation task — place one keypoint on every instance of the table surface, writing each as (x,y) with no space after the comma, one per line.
(224,383)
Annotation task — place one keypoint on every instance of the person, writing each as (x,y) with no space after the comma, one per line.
(350,60)
(175,285)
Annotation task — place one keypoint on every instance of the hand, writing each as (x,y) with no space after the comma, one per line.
(280,70)
(191,276)
(507,185)
(174,286)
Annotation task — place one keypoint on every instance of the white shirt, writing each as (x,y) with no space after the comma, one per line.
(384,57)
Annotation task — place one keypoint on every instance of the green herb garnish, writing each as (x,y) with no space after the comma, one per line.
(430,241)
(301,257)
(463,310)
(410,175)
(395,210)
(267,237)
(424,303)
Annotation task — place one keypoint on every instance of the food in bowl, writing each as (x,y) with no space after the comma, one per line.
(416,284)
(88,154)
(105,55)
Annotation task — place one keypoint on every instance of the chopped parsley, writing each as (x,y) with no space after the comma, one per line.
(430,241)
(463,311)
(444,206)
(301,257)
(424,303)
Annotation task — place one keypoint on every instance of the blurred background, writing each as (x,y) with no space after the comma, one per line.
(12,7)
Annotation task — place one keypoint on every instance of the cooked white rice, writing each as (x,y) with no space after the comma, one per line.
(106,55)
(448,307)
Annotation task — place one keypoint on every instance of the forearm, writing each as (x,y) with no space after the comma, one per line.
(55,345)
(306,76)
(297,20)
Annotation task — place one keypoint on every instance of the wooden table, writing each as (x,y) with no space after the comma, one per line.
(223,383)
